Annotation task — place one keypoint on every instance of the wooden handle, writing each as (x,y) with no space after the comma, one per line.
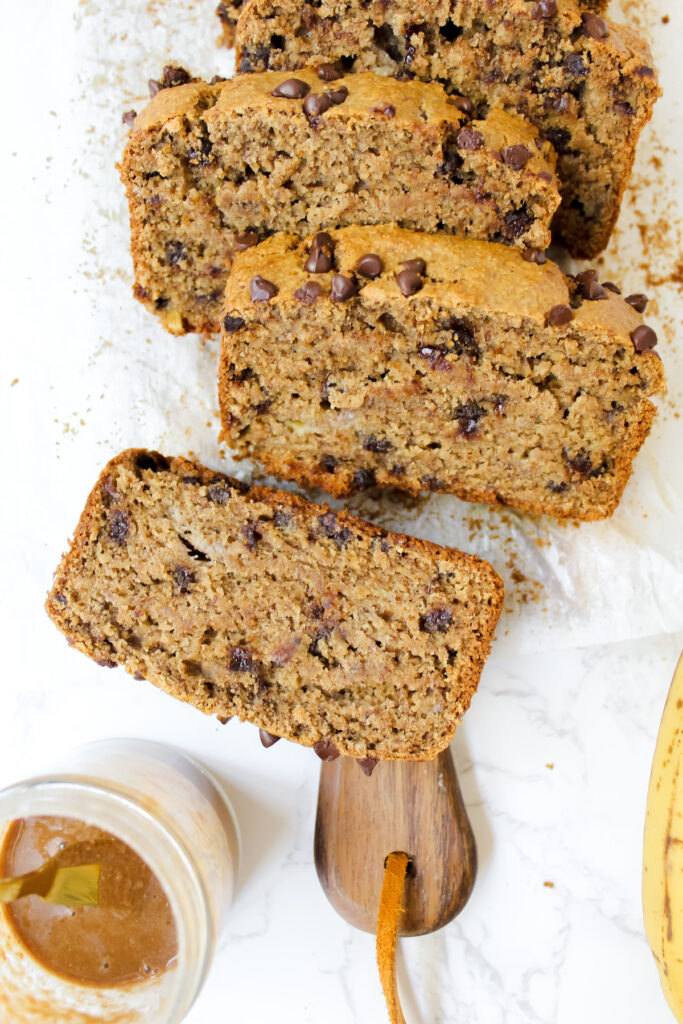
(413,806)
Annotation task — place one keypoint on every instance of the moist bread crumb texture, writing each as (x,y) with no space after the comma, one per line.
(211,169)
(429,362)
(310,623)
(588,84)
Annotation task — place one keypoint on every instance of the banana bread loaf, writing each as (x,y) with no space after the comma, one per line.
(587,84)
(427,362)
(209,169)
(310,623)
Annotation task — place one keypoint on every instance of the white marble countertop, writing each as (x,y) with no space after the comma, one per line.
(554,755)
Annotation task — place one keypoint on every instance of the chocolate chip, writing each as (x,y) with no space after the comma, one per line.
(532,255)
(151,460)
(464,341)
(468,416)
(308,293)
(60,599)
(251,535)
(516,156)
(580,463)
(342,288)
(638,301)
(611,287)
(261,290)
(557,488)
(573,65)
(106,663)
(367,765)
(389,110)
(119,526)
(328,463)
(241,660)
(517,222)
(242,242)
(282,519)
(219,494)
(337,96)
(594,27)
(129,118)
(232,323)
(175,251)
(559,138)
(591,288)
(315,106)
(217,79)
(409,281)
(468,138)
(644,72)
(268,739)
(369,265)
(364,478)
(377,444)
(326,750)
(462,103)
(418,265)
(436,621)
(172,76)
(330,72)
(643,338)
(153,87)
(292,89)
(182,578)
(319,259)
(558,316)
(544,9)
(329,527)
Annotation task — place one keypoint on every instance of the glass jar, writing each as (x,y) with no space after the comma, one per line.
(175,816)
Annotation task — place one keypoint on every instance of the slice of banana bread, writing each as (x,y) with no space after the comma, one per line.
(427,362)
(310,623)
(588,85)
(210,169)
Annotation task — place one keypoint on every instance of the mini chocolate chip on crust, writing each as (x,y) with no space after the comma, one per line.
(436,621)
(326,750)
(532,255)
(418,265)
(232,323)
(468,138)
(261,290)
(245,241)
(170,77)
(461,103)
(594,27)
(367,765)
(319,259)
(363,479)
(308,293)
(106,663)
(315,106)
(337,96)
(612,287)
(370,265)
(119,526)
(638,300)
(409,281)
(544,9)
(330,72)
(558,316)
(389,110)
(129,118)
(516,156)
(643,338)
(292,89)
(268,739)
(591,288)
(342,288)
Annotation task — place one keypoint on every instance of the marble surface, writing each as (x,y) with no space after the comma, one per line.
(553,756)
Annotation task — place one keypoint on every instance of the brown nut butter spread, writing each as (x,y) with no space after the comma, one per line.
(129,937)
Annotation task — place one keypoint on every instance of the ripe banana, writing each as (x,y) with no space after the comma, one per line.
(663,849)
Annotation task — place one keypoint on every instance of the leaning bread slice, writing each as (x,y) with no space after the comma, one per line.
(433,363)
(210,169)
(310,623)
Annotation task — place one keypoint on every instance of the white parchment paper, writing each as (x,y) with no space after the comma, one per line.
(87,371)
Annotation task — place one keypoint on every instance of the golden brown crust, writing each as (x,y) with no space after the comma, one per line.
(99,634)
